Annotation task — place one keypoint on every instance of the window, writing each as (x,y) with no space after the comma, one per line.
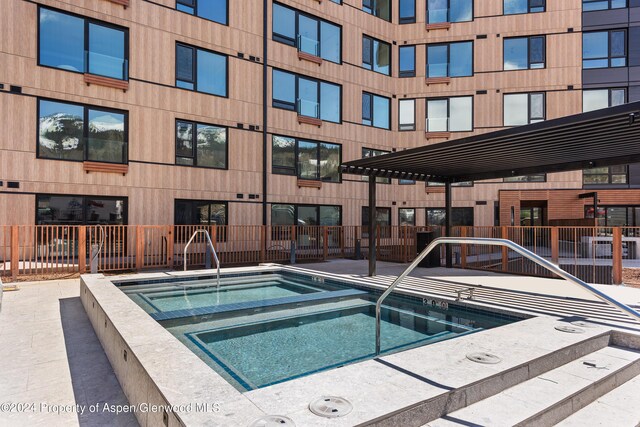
(200,212)
(309,97)
(538,177)
(406,217)
(450,60)
(383,220)
(407,114)
(328,215)
(376,111)
(449,11)
(523,108)
(379,8)
(608,175)
(602,98)
(453,184)
(407,61)
(512,7)
(407,11)
(318,161)
(213,10)
(450,114)
(80,210)
(461,217)
(615,216)
(199,144)
(523,53)
(588,5)
(370,152)
(201,70)
(82,45)
(308,33)
(376,55)
(69,131)
(604,49)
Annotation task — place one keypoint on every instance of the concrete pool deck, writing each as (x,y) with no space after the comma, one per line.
(51,354)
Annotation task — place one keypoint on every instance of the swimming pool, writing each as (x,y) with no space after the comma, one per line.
(262,329)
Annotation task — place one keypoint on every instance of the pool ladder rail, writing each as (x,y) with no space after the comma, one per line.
(496,242)
(213,250)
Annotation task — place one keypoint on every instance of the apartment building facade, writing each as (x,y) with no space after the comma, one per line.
(240,113)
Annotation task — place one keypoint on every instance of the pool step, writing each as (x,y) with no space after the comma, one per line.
(620,407)
(554,395)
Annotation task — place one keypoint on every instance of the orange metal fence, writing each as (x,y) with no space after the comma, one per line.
(595,254)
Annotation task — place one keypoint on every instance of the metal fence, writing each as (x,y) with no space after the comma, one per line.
(594,254)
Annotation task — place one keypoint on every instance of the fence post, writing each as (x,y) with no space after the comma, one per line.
(325,243)
(505,251)
(617,256)
(555,245)
(263,243)
(463,249)
(139,247)
(170,243)
(82,249)
(15,252)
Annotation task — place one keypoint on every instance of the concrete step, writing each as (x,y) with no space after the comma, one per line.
(620,407)
(552,396)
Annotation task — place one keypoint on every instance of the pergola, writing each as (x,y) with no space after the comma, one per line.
(606,137)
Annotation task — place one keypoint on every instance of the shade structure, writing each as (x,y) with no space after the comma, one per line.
(604,137)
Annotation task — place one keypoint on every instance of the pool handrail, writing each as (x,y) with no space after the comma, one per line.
(215,255)
(514,247)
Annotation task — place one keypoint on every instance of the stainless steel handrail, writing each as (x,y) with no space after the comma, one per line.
(215,255)
(514,247)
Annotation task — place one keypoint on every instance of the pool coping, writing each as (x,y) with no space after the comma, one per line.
(151,364)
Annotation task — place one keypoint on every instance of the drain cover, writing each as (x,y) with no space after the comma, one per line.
(330,406)
(569,329)
(583,324)
(273,421)
(486,358)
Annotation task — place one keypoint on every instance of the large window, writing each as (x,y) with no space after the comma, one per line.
(82,45)
(308,33)
(69,131)
(512,7)
(524,108)
(313,160)
(288,214)
(201,70)
(309,97)
(602,98)
(213,10)
(615,216)
(376,111)
(407,11)
(379,8)
(450,114)
(376,55)
(604,49)
(407,61)
(406,216)
(449,11)
(370,152)
(588,5)
(199,144)
(608,175)
(460,217)
(407,114)
(523,53)
(383,220)
(200,212)
(450,59)
(79,210)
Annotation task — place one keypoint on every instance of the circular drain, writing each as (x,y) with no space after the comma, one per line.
(569,329)
(485,358)
(330,406)
(583,324)
(273,421)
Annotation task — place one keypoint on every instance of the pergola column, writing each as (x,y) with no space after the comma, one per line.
(448,222)
(372,226)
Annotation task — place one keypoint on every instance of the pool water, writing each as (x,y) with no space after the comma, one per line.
(264,329)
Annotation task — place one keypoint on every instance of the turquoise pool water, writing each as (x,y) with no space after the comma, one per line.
(264,329)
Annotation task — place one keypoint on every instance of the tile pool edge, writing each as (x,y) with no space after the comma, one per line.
(158,369)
